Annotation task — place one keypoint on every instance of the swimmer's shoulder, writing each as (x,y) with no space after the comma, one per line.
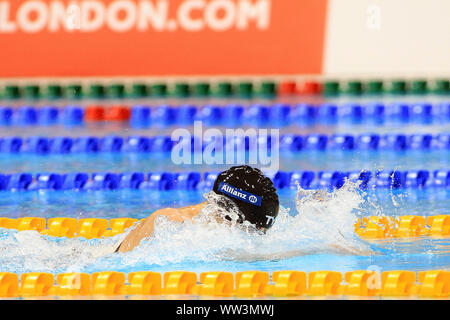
(185,213)
(173,214)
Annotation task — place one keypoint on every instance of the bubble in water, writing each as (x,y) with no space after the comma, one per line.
(323,223)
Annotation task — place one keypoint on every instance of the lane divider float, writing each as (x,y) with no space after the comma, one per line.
(191,180)
(407,226)
(245,284)
(165,144)
(279,114)
(372,227)
(223,89)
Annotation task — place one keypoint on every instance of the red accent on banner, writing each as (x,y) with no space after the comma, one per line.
(196,37)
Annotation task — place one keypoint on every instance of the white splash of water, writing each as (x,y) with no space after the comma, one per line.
(29,250)
(324,223)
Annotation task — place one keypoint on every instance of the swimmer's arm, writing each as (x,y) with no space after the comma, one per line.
(145,228)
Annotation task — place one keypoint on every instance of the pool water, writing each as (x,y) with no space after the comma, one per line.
(122,129)
(157,162)
(293,243)
(307,236)
(139,204)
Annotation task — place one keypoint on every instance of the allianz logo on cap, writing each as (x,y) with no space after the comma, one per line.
(240,194)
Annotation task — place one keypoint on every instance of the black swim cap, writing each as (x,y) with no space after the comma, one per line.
(253,194)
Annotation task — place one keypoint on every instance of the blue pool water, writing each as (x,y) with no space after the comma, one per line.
(308,245)
(311,237)
(325,128)
(307,160)
(139,204)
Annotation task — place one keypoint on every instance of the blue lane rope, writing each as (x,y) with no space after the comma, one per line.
(257,114)
(287,143)
(204,181)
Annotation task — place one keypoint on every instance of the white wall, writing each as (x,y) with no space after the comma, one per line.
(410,38)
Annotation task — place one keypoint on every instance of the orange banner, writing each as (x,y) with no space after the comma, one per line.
(161,37)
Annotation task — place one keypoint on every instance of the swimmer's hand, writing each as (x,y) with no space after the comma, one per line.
(145,228)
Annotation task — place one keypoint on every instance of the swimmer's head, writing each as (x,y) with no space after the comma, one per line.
(251,192)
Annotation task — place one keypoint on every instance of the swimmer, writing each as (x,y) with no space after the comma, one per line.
(243,188)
